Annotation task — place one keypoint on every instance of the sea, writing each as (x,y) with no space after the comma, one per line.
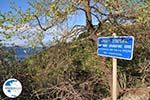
(21,53)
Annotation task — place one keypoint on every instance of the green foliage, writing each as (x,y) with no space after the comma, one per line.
(77,67)
(74,62)
(51,13)
(137,71)
(10,68)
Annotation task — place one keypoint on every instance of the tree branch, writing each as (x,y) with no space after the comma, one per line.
(104,14)
(39,23)
(90,12)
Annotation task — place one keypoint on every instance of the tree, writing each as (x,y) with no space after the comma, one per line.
(50,13)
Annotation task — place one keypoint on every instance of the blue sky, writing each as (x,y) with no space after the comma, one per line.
(78,19)
(5,4)
(5,7)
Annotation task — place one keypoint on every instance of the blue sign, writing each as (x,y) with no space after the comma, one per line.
(117,47)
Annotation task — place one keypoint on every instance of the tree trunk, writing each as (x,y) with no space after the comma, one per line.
(88,16)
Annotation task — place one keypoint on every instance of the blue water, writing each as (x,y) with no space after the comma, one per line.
(23,53)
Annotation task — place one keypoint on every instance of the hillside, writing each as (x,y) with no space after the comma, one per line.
(73,64)
(74,71)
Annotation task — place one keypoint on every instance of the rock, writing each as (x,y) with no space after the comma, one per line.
(137,94)
(134,94)
(135,97)
(108,98)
